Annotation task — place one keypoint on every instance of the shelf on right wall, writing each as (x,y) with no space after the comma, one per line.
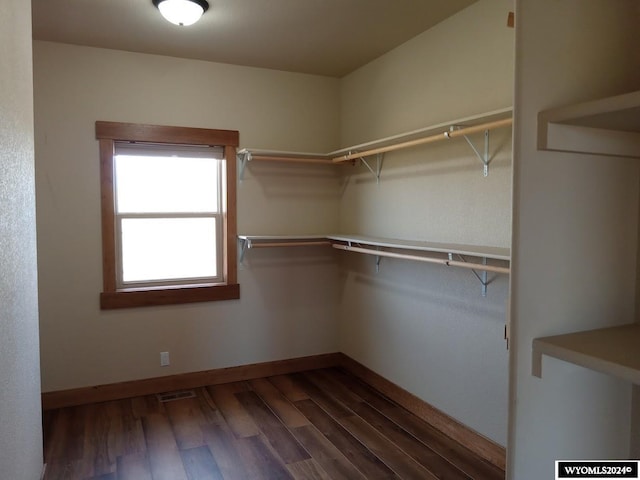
(612,350)
(609,126)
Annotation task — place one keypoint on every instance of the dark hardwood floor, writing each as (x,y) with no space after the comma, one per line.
(322,424)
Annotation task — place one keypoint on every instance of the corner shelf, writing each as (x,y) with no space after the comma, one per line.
(455,255)
(246,155)
(462,127)
(273,241)
(612,350)
(609,126)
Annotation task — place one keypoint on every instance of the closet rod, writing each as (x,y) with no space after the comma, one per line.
(270,158)
(430,139)
(289,244)
(441,261)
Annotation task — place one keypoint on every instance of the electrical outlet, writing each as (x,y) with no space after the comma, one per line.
(164,359)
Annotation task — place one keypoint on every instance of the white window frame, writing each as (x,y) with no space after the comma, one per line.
(140,149)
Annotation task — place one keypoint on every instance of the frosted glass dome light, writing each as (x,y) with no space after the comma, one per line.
(182,12)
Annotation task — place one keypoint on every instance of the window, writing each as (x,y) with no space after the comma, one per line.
(168,214)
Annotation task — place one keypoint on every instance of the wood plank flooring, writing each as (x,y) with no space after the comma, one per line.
(322,424)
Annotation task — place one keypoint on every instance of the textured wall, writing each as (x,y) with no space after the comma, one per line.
(20,431)
(425,327)
(286,309)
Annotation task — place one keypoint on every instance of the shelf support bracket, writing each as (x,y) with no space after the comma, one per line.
(243,158)
(484,157)
(245,244)
(482,276)
(378,258)
(378,169)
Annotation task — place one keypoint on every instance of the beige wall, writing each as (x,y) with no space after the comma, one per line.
(285,310)
(427,328)
(20,419)
(452,70)
(575,234)
(459,68)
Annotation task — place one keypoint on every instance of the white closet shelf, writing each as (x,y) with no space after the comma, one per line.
(284,156)
(257,241)
(441,131)
(608,126)
(496,253)
(612,350)
(461,127)
(275,241)
(246,155)
(455,254)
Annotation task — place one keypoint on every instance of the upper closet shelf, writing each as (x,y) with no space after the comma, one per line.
(248,155)
(612,350)
(609,126)
(462,127)
(283,156)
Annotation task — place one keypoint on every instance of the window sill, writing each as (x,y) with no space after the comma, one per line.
(168,296)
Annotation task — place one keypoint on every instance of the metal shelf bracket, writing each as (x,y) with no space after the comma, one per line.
(378,258)
(245,244)
(378,169)
(243,158)
(482,276)
(484,157)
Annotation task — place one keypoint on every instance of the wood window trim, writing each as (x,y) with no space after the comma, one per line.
(107,133)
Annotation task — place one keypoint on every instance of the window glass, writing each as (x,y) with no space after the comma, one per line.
(161,249)
(150,184)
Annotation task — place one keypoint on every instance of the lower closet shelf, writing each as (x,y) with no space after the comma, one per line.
(271,241)
(495,253)
(612,350)
(450,255)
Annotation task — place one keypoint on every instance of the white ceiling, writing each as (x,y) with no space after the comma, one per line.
(325,37)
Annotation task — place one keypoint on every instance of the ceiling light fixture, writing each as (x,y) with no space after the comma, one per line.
(182,12)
